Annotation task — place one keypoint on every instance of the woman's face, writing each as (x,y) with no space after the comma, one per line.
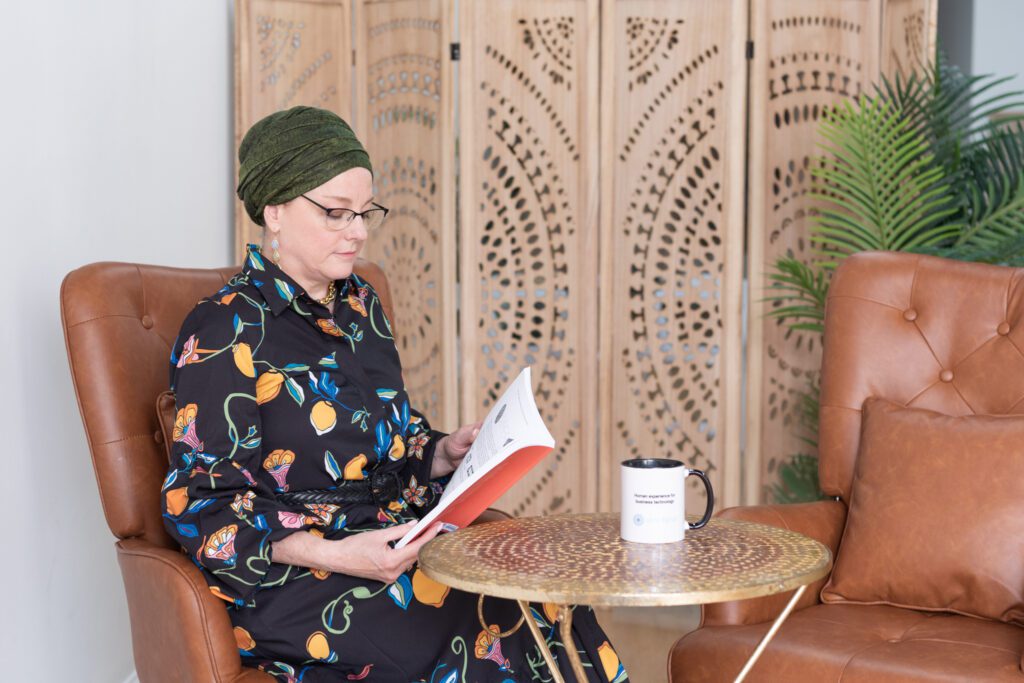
(312,253)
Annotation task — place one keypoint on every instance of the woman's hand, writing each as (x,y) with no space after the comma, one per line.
(366,555)
(451,449)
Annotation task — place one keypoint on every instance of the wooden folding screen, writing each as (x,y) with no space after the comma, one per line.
(287,53)
(908,35)
(807,56)
(600,233)
(673,145)
(529,230)
(405,119)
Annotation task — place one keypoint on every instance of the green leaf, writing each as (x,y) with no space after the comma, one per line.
(798,481)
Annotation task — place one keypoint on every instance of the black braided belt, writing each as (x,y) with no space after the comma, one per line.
(380,489)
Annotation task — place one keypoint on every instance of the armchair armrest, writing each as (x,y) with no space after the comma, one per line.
(492,515)
(822,520)
(180,630)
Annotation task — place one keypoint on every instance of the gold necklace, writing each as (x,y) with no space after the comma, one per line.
(331,293)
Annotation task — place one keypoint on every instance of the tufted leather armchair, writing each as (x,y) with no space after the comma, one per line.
(929,333)
(119,322)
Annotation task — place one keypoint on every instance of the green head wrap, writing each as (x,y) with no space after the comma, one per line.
(291,152)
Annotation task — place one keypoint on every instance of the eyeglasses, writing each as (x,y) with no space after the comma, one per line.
(340,218)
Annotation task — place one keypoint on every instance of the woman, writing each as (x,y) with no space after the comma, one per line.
(297,458)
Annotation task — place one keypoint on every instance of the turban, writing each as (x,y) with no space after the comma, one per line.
(291,152)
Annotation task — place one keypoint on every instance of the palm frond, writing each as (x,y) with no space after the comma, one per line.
(798,481)
(879,186)
(994,192)
(954,111)
(799,290)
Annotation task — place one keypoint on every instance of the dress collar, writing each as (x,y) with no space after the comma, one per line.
(277,287)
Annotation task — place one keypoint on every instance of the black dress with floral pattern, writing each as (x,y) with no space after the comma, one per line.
(275,394)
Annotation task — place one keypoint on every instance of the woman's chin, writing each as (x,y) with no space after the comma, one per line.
(341,264)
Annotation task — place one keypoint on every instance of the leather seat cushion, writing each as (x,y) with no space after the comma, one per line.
(854,644)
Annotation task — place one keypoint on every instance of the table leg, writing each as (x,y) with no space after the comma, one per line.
(565,628)
(771,634)
(542,645)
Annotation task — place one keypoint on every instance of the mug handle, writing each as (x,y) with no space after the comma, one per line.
(711,498)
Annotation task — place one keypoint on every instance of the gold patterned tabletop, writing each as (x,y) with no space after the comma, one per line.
(580,559)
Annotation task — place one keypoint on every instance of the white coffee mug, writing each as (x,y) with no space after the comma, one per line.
(654,500)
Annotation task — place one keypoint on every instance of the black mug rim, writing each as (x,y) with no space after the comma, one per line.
(651,463)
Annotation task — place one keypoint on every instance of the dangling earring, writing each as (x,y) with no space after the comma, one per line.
(276,255)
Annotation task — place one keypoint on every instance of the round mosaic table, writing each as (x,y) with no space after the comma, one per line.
(581,559)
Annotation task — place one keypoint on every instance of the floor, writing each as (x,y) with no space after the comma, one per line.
(642,636)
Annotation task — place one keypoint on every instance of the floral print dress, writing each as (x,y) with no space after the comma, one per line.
(275,394)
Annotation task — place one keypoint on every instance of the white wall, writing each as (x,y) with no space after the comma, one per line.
(116,143)
(996,48)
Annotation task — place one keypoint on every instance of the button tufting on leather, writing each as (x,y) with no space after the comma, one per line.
(910,315)
(158,436)
(147,322)
(946,375)
(893,641)
(1004,328)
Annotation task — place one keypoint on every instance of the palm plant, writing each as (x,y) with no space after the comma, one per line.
(921,165)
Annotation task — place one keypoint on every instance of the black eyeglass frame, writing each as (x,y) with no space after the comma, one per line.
(361,214)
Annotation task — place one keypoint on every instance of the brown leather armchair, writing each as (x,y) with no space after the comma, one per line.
(870,350)
(119,322)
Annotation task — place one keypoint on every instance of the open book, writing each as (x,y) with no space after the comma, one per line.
(511,441)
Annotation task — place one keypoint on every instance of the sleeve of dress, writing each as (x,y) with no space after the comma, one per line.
(421,492)
(216,501)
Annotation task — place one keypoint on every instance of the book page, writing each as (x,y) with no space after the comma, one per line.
(513,425)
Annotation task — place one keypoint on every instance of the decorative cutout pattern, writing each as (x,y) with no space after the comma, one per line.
(528,270)
(402,49)
(551,40)
(667,237)
(909,35)
(288,53)
(651,40)
(810,54)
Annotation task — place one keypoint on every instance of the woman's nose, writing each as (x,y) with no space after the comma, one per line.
(357,230)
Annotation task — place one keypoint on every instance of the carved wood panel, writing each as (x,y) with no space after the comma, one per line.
(528,146)
(287,53)
(404,96)
(808,55)
(672,214)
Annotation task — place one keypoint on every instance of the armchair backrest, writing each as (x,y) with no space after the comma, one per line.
(119,322)
(923,331)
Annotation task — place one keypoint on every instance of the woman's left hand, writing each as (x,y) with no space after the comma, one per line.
(451,449)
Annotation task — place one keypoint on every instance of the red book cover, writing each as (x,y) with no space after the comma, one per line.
(512,439)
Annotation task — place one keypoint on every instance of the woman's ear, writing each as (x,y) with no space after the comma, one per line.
(272,216)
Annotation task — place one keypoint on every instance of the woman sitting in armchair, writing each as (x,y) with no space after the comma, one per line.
(297,459)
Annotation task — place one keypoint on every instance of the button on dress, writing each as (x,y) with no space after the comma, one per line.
(274,394)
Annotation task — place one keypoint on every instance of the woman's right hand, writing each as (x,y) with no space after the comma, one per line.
(368,555)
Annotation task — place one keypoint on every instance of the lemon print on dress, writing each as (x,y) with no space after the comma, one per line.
(354,467)
(268,386)
(177,500)
(323,417)
(318,648)
(243,639)
(397,451)
(428,591)
(243,359)
(613,669)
